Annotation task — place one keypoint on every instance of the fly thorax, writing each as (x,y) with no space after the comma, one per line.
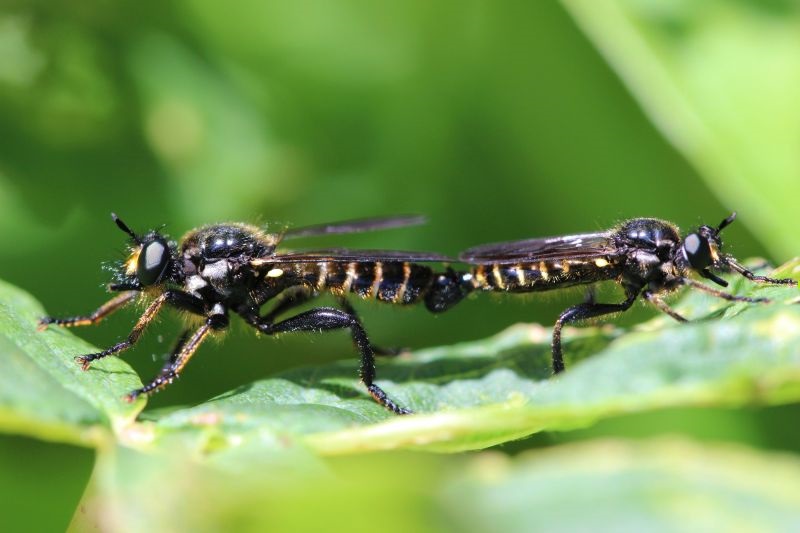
(669,278)
(216,271)
(218,274)
(194,284)
(646,264)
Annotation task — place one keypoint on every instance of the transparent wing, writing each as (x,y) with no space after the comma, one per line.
(344,255)
(355,226)
(581,246)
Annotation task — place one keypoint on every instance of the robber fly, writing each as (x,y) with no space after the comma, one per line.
(646,256)
(235,268)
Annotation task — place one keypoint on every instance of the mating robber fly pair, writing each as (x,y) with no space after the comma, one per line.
(236,268)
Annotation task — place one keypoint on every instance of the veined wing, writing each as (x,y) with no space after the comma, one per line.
(344,255)
(355,226)
(581,246)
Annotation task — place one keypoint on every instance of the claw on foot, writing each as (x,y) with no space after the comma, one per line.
(131,396)
(84,360)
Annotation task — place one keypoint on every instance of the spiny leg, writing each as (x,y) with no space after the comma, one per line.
(722,294)
(132,286)
(325,319)
(583,311)
(656,300)
(178,299)
(184,350)
(738,267)
(178,346)
(115,303)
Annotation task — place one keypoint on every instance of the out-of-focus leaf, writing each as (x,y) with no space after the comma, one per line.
(661,485)
(666,485)
(56,79)
(212,141)
(719,79)
(43,392)
(282,488)
(13,216)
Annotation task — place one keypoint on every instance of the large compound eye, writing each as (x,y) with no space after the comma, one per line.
(153,262)
(697,251)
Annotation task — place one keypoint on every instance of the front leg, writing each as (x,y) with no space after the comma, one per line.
(184,350)
(325,319)
(724,295)
(175,298)
(738,267)
(662,306)
(117,302)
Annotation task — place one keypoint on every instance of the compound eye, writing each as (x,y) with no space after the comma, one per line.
(697,251)
(153,262)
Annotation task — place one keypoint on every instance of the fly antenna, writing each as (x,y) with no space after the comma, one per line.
(726,222)
(124,227)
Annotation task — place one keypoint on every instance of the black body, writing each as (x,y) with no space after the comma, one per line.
(646,256)
(234,268)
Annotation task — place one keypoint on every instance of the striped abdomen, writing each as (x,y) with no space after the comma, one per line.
(543,275)
(400,283)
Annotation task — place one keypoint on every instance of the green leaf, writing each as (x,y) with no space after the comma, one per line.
(719,79)
(467,396)
(43,392)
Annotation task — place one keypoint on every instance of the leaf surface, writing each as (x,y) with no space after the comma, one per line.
(467,396)
(43,391)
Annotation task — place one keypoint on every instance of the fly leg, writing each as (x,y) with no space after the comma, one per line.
(735,265)
(590,296)
(298,295)
(326,319)
(377,350)
(662,306)
(184,350)
(114,304)
(584,311)
(174,354)
(289,299)
(724,295)
(178,299)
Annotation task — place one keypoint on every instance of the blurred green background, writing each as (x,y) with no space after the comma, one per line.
(498,120)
